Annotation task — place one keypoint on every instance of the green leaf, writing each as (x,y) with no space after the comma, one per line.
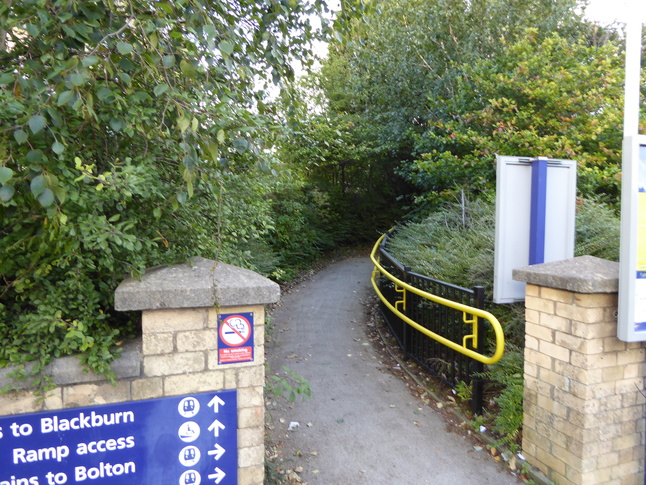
(35,156)
(226,47)
(125,77)
(182,124)
(55,117)
(104,93)
(46,198)
(126,64)
(16,108)
(20,136)
(167,7)
(68,30)
(168,61)
(5,174)
(77,79)
(241,145)
(65,97)
(32,30)
(58,147)
(71,63)
(6,78)
(6,193)
(116,124)
(124,48)
(160,89)
(37,123)
(60,194)
(187,68)
(213,151)
(89,61)
(38,185)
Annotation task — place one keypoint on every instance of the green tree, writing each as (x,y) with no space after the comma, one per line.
(555,96)
(402,53)
(411,71)
(122,126)
(330,152)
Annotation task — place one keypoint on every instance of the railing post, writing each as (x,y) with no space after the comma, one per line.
(406,333)
(478,381)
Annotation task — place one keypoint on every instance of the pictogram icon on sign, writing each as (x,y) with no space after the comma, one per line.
(188,407)
(190,456)
(235,330)
(190,477)
(189,432)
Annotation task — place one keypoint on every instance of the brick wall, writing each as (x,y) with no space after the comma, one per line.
(584,403)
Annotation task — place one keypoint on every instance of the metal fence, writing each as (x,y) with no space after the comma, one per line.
(442,310)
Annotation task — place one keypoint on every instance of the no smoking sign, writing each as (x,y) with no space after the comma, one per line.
(235,338)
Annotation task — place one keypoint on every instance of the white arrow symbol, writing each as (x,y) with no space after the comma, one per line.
(216,426)
(218,452)
(217,476)
(215,402)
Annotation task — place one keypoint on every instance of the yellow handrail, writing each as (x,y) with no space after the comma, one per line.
(469,314)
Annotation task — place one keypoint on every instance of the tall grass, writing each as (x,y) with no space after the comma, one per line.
(456,244)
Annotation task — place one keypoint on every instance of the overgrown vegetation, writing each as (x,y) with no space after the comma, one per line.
(507,417)
(288,385)
(456,244)
(134,134)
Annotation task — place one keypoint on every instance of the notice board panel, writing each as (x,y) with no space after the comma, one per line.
(513,186)
(513,207)
(631,318)
(183,440)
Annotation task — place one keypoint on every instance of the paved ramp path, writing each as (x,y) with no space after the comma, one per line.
(362,424)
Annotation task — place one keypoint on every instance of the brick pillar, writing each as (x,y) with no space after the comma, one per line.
(180,307)
(583,403)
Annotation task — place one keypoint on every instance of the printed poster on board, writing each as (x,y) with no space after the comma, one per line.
(640,281)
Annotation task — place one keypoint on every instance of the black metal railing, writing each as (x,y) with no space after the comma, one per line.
(451,366)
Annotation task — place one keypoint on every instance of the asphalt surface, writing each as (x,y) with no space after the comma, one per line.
(362,424)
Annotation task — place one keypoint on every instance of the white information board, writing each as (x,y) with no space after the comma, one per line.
(513,205)
(631,318)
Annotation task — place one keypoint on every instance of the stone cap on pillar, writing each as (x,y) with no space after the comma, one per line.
(583,274)
(197,283)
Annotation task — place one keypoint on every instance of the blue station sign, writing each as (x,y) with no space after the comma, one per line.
(183,440)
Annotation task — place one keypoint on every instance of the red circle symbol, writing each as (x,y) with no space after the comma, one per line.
(235,330)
